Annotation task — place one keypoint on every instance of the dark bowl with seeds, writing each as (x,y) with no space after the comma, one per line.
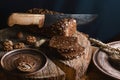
(24,62)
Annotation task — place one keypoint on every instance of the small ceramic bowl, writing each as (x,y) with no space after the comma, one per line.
(104,64)
(11,61)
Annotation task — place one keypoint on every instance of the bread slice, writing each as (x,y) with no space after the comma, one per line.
(66,47)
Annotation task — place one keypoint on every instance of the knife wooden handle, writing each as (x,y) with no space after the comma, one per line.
(26,19)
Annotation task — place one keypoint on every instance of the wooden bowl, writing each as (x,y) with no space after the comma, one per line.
(10,61)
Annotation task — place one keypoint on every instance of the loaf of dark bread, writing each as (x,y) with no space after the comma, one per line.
(63,27)
(67,47)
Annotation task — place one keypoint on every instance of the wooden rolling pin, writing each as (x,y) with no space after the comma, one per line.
(26,19)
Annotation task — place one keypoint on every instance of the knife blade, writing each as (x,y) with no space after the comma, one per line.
(46,19)
(80,18)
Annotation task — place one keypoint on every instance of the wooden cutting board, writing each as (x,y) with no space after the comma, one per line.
(56,69)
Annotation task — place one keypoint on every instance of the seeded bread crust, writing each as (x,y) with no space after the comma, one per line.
(66,47)
(42,11)
(63,27)
(62,42)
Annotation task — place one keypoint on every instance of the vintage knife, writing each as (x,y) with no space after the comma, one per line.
(46,19)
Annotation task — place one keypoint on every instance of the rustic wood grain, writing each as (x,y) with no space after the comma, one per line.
(56,69)
(50,72)
(77,67)
(92,73)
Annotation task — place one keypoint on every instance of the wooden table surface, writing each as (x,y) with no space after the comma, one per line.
(92,74)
